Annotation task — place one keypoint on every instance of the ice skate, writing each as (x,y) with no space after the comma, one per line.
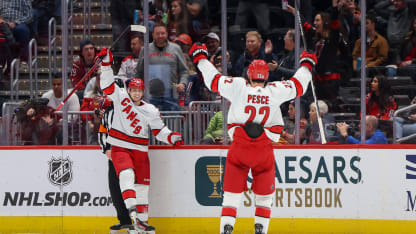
(141,228)
(228,229)
(116,228)
(258,228)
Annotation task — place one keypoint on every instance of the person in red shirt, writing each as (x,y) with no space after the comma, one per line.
(380,102)
(82,65)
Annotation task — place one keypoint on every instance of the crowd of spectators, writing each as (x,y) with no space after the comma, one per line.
(20,21)
(266,28)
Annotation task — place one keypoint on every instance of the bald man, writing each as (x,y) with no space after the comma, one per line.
(372,134)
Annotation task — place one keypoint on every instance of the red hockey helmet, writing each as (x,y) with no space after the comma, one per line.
(136,83)
(258,70)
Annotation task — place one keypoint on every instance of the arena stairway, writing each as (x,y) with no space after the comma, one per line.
(101,35)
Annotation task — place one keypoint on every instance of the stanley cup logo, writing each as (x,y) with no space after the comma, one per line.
(214,173)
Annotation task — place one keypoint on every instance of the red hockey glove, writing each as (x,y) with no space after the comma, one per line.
(175,138)
(197,52)
(308,60)
(106,55)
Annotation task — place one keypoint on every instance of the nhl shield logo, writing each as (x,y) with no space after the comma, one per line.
(60,171)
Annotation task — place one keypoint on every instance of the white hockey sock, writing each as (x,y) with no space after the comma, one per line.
(128,192)
(142,199)
(230,204)
(263,210)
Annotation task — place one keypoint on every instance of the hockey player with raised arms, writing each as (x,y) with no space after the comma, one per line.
(129,137)
(254,121)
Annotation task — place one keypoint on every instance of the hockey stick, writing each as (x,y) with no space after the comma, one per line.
(136,28)
(305,47)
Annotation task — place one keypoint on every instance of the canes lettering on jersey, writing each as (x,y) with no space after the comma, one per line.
(131,115)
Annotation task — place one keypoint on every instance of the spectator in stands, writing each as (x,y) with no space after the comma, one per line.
(408,66)
(406,123)
(122,15)
(18,14)
(42,11)
(198,18)
(405,126)
(350,19)
(399,20)
(177,22)
(214,133)
(195,89)
(325,39)
(55,95)
(372,134)
(185,42)
(6,41)
(254,50)
(212,41)
(284,67)
(377,46)
(312,133)
(261,11)
(168,73)
(82,65)
(129,63)
(37,125)
(379,101)
(409,41)
(288,134)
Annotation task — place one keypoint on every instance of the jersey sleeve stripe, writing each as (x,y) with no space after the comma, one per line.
(275,129)
(155,131)
(298,85)
(109,90)
(121,136)
(214,83)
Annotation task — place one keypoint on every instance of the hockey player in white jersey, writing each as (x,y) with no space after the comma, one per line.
(129,137)
(254,121)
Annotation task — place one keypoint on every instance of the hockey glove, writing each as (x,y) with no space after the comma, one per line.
(175,138)
(106,55)
(197,52)
(308,60)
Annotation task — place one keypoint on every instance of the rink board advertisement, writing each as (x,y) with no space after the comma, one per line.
(319,183)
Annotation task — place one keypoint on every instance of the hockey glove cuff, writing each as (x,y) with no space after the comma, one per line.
(197,52)
(308,60)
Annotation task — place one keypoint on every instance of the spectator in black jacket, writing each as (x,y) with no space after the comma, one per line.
(324,38)
(399,15)
(42,11)
(284,67)
(254,50)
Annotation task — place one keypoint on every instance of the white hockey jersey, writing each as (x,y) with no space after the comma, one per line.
(128,68)
(255,104)
(131,123)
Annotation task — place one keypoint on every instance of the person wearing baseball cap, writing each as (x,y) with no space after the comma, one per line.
(212,41)
(184,41)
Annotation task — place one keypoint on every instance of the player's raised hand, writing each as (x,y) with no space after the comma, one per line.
(106,55)
(176,139)
(308,60)
(197,52)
